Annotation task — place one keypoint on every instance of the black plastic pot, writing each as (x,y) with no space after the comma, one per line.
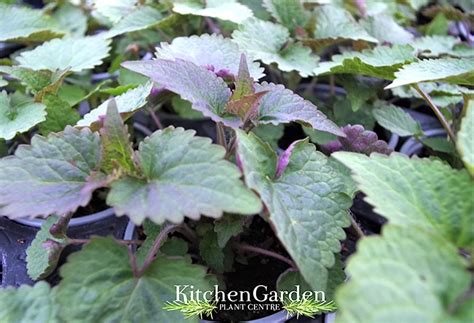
(16,236)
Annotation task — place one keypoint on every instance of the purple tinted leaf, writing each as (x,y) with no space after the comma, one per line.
(220,55)
(207,92)
(54,175)
(281,105)
(284,158)
(358,140)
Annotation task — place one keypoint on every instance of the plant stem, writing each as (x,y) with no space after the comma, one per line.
(231,147)
(437,112)
(186,231)
(156,246)
(332,85)
(360,233)
(59,229)
(155,118)
(246,247)
(212,26)
(220,134)
(119,241)
(133,262)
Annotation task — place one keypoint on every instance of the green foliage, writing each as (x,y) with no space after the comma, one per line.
(451,70)
(22,24)
(286,190)
(335,24)
(386,30)
(108,289)
(117,151)
(381,62)
(55,175)
(59,115)
(209,50)
(42,255)
(396,120)
(143,17)
(20,117)
(230,10)
(408,279)
(399,187)
(465,143)
(274,46)
(127,103)
(228,226)
(177,164)
(28,304)
(74,54)
(289,13)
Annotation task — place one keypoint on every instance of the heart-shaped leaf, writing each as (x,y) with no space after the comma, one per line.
(184,175)
(55,175)
(305,196)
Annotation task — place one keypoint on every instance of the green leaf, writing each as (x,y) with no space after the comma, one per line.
(28,304)
(281,105)
(219,54)
(432,46)
(185,175)
(381,62)
(72,19)
(386,30)
(107,290)
(59,115)
(465,142)
(3,82)
(438,26)
(230,10)
(43,254)
(21,24)
(289,13)
(336,24)
(439,144)
(442,94)
(143,17)
(451,70)
(405,275)
(74,54)
(290,279)
(273,45)
(305,197)
(270,133)
(151,231)
(397,120)
(36,82)
(174,247)
(114,10)
(211,252)
(18,118)
(358,91)
(227,227)
(425,193)
(184,110)
(117,151)
(187,79)
(127,103)
(53,175)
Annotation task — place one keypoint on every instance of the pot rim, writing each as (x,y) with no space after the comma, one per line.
(87,219)
(412,146)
